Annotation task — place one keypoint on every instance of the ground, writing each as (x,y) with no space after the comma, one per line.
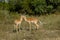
(50,30)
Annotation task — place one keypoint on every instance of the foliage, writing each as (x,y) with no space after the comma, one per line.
(31,7)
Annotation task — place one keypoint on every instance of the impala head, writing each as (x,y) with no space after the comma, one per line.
(23,17)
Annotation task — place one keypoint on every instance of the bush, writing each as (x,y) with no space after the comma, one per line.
(31,7)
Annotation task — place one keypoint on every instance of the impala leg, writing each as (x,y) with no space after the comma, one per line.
(30,25)
(37,26)
(15,27)
(20,27)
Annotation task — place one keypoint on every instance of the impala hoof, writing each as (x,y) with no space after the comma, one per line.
(27,29)
(14,30)
(21,28)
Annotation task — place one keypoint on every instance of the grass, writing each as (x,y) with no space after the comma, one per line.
(49,31)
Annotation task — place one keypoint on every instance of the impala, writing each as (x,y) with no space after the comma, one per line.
(17,23)
(32,20)
(29,20)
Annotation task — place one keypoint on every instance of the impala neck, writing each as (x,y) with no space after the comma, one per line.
(21,18)
(25,18)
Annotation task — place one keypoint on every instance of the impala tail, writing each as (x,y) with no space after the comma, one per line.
(42,22)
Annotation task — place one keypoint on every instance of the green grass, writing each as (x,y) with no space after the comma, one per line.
(48,31)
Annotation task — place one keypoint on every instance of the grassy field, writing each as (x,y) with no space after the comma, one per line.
(48,31)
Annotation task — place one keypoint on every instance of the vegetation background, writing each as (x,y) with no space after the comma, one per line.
(47,11)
